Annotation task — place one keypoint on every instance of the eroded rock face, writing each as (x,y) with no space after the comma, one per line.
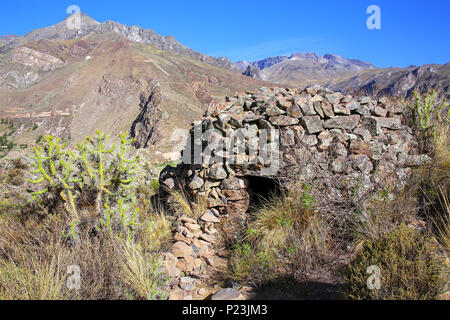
(32,58)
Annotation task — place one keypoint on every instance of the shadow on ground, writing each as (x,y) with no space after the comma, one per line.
(292,289)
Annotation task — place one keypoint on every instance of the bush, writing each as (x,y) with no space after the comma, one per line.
(7,145)
(381,214)
(409,265)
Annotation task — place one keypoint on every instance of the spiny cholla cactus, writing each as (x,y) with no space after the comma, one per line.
(54,168)
(426,108)
(93,166)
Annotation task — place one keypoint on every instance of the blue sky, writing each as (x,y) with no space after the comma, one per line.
(413,31)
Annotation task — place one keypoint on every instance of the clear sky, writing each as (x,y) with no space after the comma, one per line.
(413,32)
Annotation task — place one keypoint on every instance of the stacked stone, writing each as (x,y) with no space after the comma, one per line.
(193,249)
(325,138)
(323,132)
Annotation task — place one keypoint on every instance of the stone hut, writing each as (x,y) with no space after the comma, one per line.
(251,143)
(258,141)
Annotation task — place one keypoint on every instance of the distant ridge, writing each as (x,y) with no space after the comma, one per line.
(300,69)
(8,37)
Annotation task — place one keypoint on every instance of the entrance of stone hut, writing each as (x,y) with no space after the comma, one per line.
(261,189)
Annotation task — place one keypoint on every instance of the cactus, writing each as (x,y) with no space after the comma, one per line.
(92,166)
(54,167)
(120,190)
(94,155)
(426,108)
(429,118)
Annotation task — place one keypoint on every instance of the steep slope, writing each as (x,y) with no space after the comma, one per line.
(104,81)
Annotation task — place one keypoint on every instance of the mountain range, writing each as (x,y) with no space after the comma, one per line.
(61,31)
(300,69)
(349,75)
(115,77)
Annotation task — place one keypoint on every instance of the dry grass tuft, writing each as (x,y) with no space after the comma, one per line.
(184,206)
(157,234)
(409,265)
(142,273)
(286,237)
(35,257)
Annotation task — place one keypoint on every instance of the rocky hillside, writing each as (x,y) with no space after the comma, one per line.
(72,87)
(8,37)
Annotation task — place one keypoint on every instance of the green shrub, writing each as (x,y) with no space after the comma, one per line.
(252,264)
(408,263)
(6,144)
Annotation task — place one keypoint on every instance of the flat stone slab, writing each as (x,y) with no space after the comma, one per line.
(227,294)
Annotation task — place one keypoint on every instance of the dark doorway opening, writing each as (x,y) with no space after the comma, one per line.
(261,189)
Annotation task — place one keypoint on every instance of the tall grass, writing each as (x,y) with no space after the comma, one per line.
(185,207)
(34,261)
(143,273)
(285,234)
